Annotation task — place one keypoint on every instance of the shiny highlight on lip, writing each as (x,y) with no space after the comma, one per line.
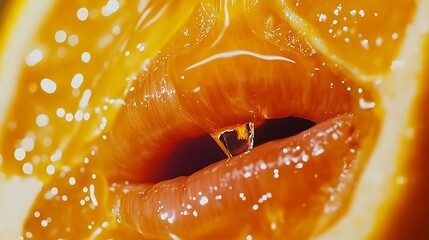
(239,53)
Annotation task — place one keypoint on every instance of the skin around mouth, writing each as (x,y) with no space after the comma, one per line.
(205,79)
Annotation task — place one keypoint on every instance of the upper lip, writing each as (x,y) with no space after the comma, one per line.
(204,90)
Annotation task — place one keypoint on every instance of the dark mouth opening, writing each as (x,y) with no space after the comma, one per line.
(195,154)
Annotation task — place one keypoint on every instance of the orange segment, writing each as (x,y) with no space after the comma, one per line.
(363,36)
(397,143)
(71,205)
(409,178)
(76,75)
(30,15)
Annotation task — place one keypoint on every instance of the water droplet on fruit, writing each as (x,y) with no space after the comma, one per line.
(236,140)
(364,104)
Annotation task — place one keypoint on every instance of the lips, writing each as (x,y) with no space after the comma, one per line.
(291,187)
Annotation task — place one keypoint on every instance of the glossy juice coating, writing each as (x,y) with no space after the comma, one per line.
(69,130)
(290,188)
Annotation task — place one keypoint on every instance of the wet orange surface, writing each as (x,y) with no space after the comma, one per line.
(93,111)
(366,33)
(290,188)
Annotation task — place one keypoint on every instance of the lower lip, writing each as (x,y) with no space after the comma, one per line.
(285,186)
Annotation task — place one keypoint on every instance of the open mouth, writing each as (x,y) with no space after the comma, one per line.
(292,184)
(238,129)
(306,175)
(194,154)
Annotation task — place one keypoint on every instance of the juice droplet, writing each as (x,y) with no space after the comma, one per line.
(236,140)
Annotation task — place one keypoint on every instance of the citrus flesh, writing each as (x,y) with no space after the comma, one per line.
(117,114)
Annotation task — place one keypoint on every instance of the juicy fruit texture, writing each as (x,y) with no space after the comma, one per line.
(78,68)
(366,29)
(102,112)
(414,195)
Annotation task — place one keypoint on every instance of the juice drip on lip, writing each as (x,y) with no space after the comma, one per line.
(237,140)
